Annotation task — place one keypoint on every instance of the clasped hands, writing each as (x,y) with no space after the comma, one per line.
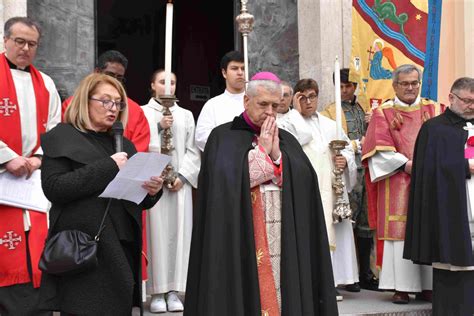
(152,186)
(269,139)
(20,166)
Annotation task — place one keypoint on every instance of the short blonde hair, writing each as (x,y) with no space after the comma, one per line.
(77,113)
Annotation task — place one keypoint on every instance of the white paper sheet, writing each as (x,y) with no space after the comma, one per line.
(127,184)
(22,192)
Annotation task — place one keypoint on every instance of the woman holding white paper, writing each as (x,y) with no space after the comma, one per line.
(79,161)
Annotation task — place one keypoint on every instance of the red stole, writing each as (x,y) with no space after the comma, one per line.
(13,265)
(393,128)
(266,282)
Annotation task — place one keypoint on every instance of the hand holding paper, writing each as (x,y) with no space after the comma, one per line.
(131,181)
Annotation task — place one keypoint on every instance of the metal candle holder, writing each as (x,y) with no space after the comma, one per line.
(169,175)
(342,209)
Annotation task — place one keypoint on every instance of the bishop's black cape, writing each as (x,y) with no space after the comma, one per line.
(437,224)
(222,274)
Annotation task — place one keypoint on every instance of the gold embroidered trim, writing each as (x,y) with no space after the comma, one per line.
(378,148)
(259,256)
(253,196)
(387,205)
(397,218)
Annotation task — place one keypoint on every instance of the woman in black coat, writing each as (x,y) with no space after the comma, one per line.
(79,161)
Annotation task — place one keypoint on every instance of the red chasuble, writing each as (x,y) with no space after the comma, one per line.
(13,265)
(393,128)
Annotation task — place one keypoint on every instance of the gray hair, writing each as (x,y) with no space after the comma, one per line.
(268,85)
(463,83)
(287,84)
(405,69)
(7,28)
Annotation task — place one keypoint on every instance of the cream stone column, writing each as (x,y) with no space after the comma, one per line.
(456,45)
(9,9)
(468,37)
(324,31)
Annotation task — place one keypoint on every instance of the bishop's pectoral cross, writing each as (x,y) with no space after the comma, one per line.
(6,107)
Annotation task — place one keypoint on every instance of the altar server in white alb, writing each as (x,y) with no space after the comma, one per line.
(29,106)
(340,235)
(170,220)
(224,107)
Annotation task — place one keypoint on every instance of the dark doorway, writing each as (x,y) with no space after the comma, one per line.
(200,39)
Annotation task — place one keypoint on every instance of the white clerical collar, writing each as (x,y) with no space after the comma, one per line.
(283,114)
(235,96)
(397,101)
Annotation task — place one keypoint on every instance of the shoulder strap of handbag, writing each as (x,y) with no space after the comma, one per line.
(102,223)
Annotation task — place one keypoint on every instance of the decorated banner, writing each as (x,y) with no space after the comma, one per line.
(387,34)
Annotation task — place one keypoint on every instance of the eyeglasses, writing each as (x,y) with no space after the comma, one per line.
(406,84)
(21,42)
(120,78)
(466,101)
(310,98)
(109,104)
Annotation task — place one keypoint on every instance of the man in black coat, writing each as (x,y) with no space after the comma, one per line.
(259,242)
(440,226)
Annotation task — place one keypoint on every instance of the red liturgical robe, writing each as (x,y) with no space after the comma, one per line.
(13,243)
(393,128)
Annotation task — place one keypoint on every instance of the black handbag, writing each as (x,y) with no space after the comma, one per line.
(71,251)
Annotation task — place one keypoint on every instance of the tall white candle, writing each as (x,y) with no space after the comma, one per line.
(337,86)
(168,40)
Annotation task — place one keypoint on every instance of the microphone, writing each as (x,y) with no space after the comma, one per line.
(117,129)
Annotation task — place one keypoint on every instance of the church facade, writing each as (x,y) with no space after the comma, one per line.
(294,39)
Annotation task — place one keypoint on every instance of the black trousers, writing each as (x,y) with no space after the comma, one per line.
(453,293)
(20,300)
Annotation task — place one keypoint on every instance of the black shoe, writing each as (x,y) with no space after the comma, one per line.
(371,284)
(352,287)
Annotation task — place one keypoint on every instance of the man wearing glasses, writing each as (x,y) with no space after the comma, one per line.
(440,231)
(114,64)
(29,105)
(388,153)
(323,131)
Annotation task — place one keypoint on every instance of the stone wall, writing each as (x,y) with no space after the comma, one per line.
(294,39)
(67,50)
(273,43)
